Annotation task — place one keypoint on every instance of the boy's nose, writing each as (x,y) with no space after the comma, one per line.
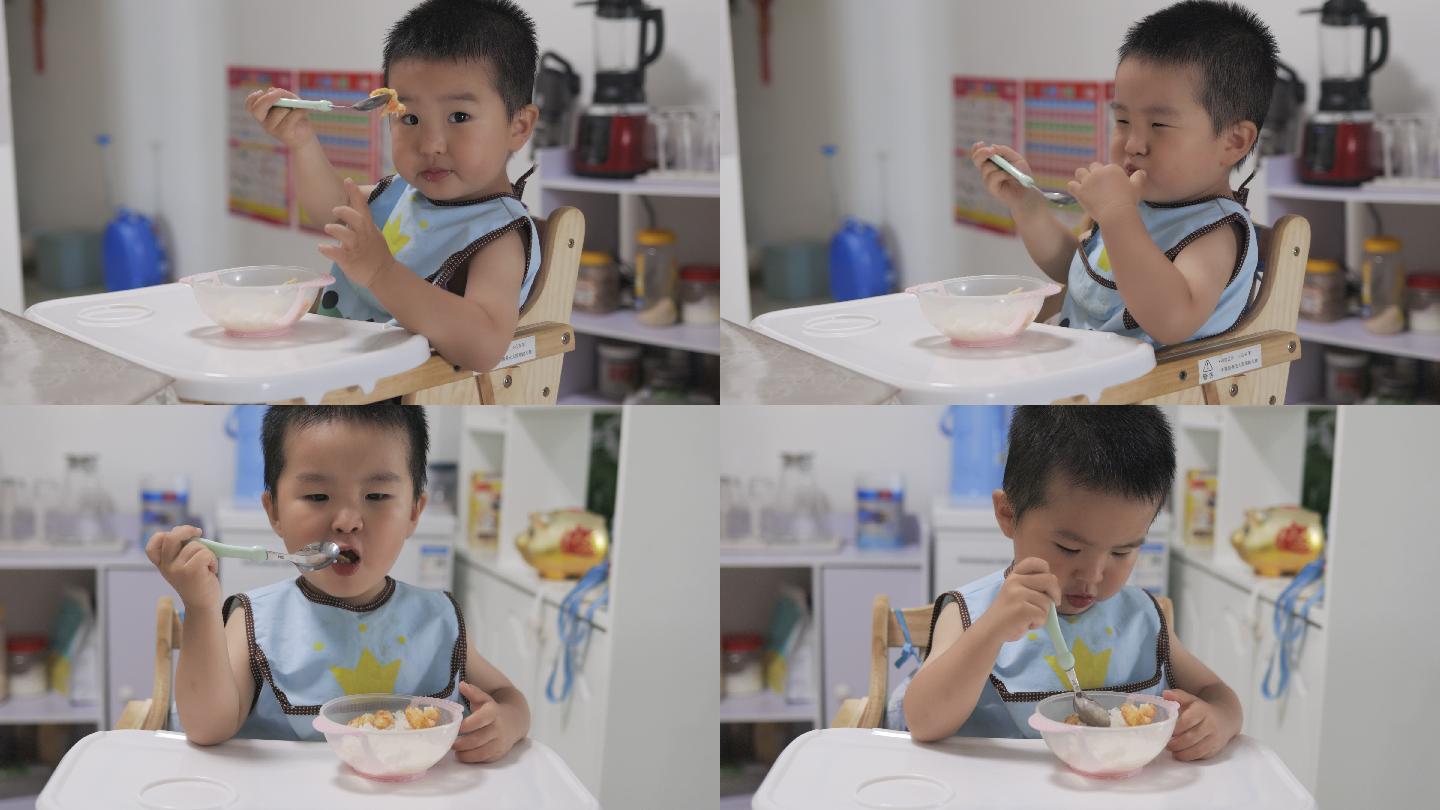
(347,521)
(1135,145)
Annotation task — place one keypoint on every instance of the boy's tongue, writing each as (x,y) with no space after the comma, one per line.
(1076,600)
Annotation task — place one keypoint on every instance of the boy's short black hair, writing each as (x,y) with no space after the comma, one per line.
(1234,51)
(408,419)
(1125,450)
(496,32)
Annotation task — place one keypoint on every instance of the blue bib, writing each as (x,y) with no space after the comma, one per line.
(1120,645)
(436,240)
(307,647)
(1092,300)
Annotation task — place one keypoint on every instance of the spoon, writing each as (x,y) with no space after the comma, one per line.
(309,558)
(371,103)
(1057,197)
(1090,712)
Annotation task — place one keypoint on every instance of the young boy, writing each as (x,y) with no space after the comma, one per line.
(1171,256)
(446,248)
(1080,489)
(262,664)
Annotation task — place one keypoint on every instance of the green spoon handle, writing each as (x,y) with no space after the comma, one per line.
(306,104)
(252,553)
(1062,650)
(1023,178)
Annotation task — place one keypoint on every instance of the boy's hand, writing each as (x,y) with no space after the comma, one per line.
(287,125)
(483,737)
(190,568)
(362,253)
(998,182)
(1024,601)
(1103,190)
(1198,733)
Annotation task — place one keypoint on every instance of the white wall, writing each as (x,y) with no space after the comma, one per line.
(138,440)
(876,77)
(847,441)
(10,291)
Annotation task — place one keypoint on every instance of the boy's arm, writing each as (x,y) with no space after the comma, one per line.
(1170,300)
(1221,716)
(499,714)
(1050,244)
(213,684)
(944,692)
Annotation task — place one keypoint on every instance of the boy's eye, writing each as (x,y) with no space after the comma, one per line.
(1067,550)
(1125,553)
(377,496)
(459,117)
(317,497)
(409,119)
(1121,121)
(1157,126)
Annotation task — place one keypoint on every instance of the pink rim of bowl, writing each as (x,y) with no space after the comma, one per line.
(1038,288)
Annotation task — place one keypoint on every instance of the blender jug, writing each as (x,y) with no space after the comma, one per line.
(802,510)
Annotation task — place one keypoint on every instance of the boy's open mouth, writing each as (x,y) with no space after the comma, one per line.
(1079,600)
(349,556)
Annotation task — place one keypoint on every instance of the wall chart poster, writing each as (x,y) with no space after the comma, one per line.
(258,165)
(985,109)
(1108,116)
(1062,129)
(351,140)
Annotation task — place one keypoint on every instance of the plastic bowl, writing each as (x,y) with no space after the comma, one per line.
(390,755)
(257,301)
(983,310)
(1106,753)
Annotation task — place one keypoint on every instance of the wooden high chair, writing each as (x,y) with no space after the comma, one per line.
(542,338)
(1267,327)
(153,713)
(885,634)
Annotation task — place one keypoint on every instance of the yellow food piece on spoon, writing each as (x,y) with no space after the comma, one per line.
(394,107)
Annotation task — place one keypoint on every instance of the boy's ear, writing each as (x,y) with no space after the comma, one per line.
(268,501)
(1004,513)
(522,126)
(416,509)
(1239,139)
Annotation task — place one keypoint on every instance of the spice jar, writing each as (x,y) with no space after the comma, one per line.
(700,294)
(1323,296)
(1344,376)
(25,662)
(619,372)
(597,287)
(1383,286)
(1423,302)
(742,672)
(655,277)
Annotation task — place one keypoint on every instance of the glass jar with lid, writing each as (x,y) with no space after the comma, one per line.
(1423,302)
(1322,298)
(700,294)
(597,287)
(741,665)
(1383,286)
(25,661)
(655,277)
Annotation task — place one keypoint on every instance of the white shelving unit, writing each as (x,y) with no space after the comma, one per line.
(614,212)
(1341,233)
(608,729)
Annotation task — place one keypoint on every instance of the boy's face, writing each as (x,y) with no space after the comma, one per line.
(351,484)
(455,137)
(1161,127)
(1088,538)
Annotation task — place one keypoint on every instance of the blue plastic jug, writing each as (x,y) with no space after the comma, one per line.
(978,435)
(133,255)
(860,267)
(243,425)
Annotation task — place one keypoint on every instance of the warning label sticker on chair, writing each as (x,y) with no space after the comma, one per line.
(1230,363)
(520,351)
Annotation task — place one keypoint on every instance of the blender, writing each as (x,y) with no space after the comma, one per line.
(1337,143)
(610,139)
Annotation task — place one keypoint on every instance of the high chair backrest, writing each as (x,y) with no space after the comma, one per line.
(154,713)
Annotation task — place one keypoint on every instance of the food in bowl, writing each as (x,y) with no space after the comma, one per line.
(981,311)
(1127,714)
(1108,753)
(397,737)
(257,301)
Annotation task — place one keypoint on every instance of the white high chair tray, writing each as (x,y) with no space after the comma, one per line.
(888,339)
(840,768)
(153,770)
(163,329)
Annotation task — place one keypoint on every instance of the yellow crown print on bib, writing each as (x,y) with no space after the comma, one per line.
(394,237)
(1103,263)
(368,675)
(1090,667)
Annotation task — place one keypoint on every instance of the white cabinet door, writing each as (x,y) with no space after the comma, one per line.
(847,597)
(1291,723)
(575,727)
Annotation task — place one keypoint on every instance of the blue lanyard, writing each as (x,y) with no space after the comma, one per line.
(574,631)
(1290,625)
(908,651)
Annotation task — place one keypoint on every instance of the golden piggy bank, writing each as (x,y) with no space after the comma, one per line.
(1279,540)
(564,543)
